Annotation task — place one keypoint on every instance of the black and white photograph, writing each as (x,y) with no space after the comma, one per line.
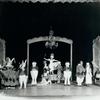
(49,49)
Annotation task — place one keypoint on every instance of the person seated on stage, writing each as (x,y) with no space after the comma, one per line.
(34,73)
(59,72)
(88,76)
(45,80)
(80,71)
(51,62)
(46,67)
(23,75)
(67,74)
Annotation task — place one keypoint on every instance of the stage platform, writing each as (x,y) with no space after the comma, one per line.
(53,91)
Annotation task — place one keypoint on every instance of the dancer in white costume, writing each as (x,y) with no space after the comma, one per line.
(53,63)
(67,74)
(88,78)
(80,73)
(22,75)
(34,73)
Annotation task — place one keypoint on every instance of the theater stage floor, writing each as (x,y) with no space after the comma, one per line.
(54,91)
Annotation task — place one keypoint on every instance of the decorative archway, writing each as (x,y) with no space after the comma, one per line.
(46,38)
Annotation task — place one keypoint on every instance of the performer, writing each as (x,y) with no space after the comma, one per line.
(34,73)
(97,75)
(9,62)
(45,77)
(80,73)
(52,63)
(88,77)
(22,75)
(45,69)
(45,81)
(67,74)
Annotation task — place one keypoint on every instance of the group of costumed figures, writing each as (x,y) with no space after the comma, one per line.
(20,76)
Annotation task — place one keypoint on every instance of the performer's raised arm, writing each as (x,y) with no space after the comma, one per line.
(12,60)
(47,59)
(55,60)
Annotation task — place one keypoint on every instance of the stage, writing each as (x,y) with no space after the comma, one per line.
(53,91)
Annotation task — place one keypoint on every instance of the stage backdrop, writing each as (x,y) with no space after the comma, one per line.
(2,51)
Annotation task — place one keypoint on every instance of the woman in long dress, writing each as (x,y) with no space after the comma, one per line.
(88,78)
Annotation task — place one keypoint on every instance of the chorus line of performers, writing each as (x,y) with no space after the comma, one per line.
(82,74)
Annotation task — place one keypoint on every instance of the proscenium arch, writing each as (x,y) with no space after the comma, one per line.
(45,38)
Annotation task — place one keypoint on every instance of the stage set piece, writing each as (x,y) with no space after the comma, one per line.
(8,76)
(96,59)
(51,41)
(12,77)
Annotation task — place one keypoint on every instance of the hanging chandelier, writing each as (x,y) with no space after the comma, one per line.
(51,43)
